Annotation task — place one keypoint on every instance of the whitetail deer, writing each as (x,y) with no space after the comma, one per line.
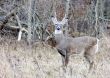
(65,45)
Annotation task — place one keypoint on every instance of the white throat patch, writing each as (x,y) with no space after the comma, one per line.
(58,32)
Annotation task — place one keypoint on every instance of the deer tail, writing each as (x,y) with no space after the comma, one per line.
(97,46)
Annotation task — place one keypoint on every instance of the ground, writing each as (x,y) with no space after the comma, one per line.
(19,60)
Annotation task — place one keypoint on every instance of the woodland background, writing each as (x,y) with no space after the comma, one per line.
(29,58)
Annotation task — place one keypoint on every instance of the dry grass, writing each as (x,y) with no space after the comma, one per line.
(18,60)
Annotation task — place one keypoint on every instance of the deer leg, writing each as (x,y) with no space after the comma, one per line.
(64,55)
(89,59)
(63,60)
(66,58)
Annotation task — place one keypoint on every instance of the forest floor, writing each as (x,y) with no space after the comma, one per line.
(18,60)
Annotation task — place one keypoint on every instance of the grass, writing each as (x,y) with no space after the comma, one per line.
(18,60)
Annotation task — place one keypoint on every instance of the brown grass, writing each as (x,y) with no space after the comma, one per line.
(18,60)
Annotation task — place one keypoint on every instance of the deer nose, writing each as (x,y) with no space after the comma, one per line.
(58,28)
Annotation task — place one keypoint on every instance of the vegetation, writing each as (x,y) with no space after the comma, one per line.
(25,24)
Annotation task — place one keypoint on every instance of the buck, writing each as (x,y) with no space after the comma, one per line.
(66,46)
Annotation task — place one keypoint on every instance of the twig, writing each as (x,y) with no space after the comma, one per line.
(17,27)
(5,18)
(3,10)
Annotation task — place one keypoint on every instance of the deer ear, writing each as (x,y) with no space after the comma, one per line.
(54,20)
(64,21)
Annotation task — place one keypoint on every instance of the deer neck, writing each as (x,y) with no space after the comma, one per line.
(59,37)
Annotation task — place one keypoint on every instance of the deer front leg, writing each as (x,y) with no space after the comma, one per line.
(64,55)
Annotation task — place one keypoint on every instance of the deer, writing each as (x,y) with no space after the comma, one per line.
(87,46)
(66,46)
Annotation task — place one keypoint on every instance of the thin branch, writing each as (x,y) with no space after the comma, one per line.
(5,18)
(104,19)
(20,31)
(19,24)
(96,14)
(3,10)
(17,27)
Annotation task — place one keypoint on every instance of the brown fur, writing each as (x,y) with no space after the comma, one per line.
(51,41)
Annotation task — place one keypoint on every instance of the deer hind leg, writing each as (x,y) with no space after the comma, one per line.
(93,50)
(89,55)
(89,59)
